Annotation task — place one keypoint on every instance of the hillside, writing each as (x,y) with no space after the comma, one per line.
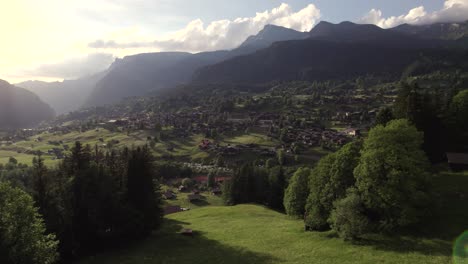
(65,96)
(331,51)
(254,234)
(20,108)
(309,60)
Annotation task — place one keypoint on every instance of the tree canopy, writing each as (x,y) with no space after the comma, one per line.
(22,231)
(392,177)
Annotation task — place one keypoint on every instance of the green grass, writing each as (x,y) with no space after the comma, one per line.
(23,158)
(208,200)
(252,138)
(181,199)
(20,150)
(254,234)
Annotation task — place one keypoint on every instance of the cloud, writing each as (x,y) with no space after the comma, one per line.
(221,34)
(74,67)
(453,11)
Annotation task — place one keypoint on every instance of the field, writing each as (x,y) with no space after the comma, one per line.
(254,234)
(22,150)
(182,149)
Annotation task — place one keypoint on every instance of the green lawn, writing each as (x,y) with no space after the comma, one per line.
(254,234)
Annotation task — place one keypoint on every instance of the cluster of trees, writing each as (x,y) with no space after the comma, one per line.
(90,201)
(379,185)
(442,114)
(254,184)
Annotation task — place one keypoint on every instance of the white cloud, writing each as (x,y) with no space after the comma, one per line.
(74,67)
(453,11)
(221,34)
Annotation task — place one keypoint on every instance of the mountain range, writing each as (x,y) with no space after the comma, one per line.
(64,96)
(328,51)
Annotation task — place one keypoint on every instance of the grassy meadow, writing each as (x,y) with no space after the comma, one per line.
(255,234)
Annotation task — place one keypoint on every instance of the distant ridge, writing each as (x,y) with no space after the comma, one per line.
(20,108)
(448,31)
(144,73)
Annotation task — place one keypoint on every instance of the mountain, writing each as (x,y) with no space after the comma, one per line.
(370,34)
(20,108)
(143,73)
(448,31)
(65,96)
(137,75)
(343,50)
(271,34)
(308,60)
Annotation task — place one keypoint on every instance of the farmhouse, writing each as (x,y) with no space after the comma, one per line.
(352,132)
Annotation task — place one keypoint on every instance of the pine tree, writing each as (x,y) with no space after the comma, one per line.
(277,186)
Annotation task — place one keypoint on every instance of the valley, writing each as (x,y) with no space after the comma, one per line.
(305,141)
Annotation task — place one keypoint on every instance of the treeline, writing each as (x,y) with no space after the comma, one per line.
(441,114)
(254,184)
(379,185)
(92,200)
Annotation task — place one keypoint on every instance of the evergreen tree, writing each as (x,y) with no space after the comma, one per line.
(211,179)
(420,107)
(384,116)
(458,122)
(141,193)
(277,186)
(40,184)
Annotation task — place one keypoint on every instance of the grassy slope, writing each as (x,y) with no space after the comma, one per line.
(254,234)
(182,200)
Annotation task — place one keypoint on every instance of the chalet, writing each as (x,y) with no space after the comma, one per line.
(458,161)
(352,132)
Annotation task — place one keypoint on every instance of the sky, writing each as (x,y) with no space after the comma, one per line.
(65,39)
